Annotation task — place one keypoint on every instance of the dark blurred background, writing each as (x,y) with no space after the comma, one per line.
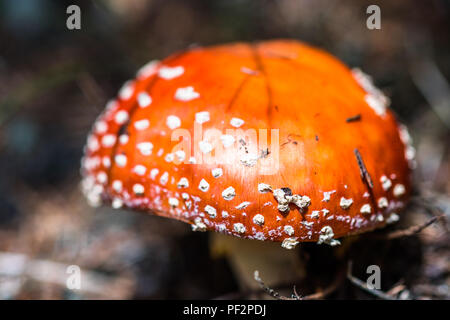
(54,82)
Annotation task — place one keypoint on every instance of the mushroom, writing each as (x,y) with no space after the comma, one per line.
(274,141)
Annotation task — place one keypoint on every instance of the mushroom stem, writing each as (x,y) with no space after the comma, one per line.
(278,265)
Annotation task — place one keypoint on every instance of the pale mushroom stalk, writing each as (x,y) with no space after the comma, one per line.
(276,264)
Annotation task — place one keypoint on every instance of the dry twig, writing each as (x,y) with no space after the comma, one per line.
(408,231)
(361,284)
(295,296)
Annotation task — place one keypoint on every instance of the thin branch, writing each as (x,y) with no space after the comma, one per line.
(327,291)
(362,285)
(412,230)
(271,292)
(408,231)
(295,296)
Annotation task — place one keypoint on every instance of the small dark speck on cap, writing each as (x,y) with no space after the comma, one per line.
(287,191)
(317,137)
(123,129)
(265,153)
(354,118)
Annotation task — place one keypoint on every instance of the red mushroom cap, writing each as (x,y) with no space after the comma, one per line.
(270,141)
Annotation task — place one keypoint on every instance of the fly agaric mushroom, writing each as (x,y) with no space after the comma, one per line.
(272,141)
(180,142)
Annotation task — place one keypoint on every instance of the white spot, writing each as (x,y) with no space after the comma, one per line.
(185,196)
(302,202)
(211,211)
(410,151)
(386,183)
(243,205)
(164,178)
(375,98)
(144,100)
(202,117)
(101,127)
(224,214)
(160,152)
(327,195)
(229,193)
(326,236)
(127,90)
(399,190)
(217,172)
(345,203)
(121,117)
(236,122)
(117,203)
(117,185)
(203,185)
(198,225)
(382,203)
(307,224)
(227,140)
(393,217)
(153,173)
(108,140)
(249,71)
(186,94)
(142,124)
(366,209)
(376,104)
(112,105)
(173,202)
(264,188)
(366,194)
(325,212)
(138,189)
(145,148)
(169,73)
(123,139)
(94,195)
(121,160)
(169,157)
(258,219)
(289,243)
(139,170)
(285,198)
(106,162)
(192,160)
(102,177)
(93,144)
(173,122)
(181,155)
(289,230)
(148,69)
(249,159)
(315,214)
(239,227)
(221,227)
(91,162)
(183,183)
(283,202)
(205,146)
